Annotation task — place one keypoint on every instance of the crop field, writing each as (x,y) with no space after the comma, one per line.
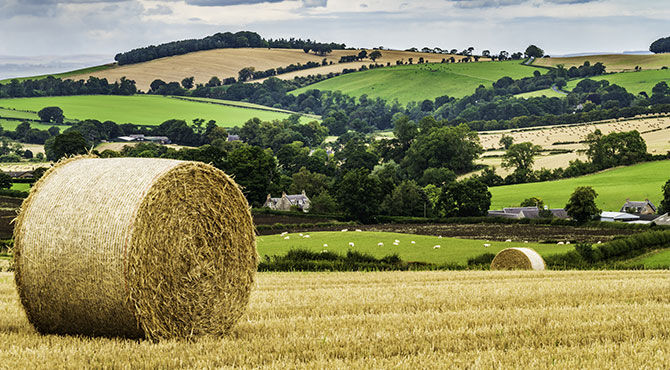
(452,251)
(654,130)
(423,81)
(633,82)
(613,62)
(144,109)
(638,182)
(586,319)
(225,63)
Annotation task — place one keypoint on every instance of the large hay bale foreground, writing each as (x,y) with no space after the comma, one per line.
(517,259)
(134,247)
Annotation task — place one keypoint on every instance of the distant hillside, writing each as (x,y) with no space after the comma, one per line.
(425,81)
(224,63)
(613,62)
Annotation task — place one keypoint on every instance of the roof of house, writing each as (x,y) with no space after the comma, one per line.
(619,216)
(638,204)
(662,220)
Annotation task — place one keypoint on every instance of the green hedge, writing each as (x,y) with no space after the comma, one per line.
(13,193)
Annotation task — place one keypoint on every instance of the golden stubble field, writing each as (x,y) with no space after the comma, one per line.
(591,319)
(225,63)
(613,62)
(654,130)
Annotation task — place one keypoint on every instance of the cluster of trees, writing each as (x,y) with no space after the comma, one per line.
(661,45)
(51,86)
(242,39)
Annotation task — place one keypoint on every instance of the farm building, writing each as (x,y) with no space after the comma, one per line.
(663,220)
(287,201)
(20,174)
(638,208)
(141,137)
(527,212)
(618,216)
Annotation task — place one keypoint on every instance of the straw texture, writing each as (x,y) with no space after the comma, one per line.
(134,247)
(518,259)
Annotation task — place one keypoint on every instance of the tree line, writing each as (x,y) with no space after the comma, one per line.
(242,39)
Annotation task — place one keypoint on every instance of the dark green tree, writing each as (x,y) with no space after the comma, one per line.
(359,194)
(664,206)
(466,198)
(661,45)
(246,74)
(187,83)
(534,51)
(407,199)
(65,144)
(312,183)
(5,181)
(374,55)
(582,204)
(51,114)
(323,203)
(506,141)
(254,169)
(521,157)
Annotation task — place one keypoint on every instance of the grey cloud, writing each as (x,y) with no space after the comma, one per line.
(158,10)
(228,2)
(314,3)
(473,4)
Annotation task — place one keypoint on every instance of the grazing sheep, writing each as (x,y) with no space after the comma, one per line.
(437,247)
(306,236)
(300,234)
(487,245)
(567,242)
(358,230)
(439,237)
(508,241)
(325,245)
(351,244)
(345,230)
(286,238)
(560,243)
(380,244)
(284,233)
(599,242)
(413,242)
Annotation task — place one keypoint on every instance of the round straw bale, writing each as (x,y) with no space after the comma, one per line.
(517,259)
(134,247)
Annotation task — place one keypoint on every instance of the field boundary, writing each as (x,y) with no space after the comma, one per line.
(267,109)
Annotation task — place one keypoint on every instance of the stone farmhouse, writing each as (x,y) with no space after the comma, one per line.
(287,201)
(638,208)
(526,212)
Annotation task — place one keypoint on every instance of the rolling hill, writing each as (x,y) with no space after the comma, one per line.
(633,82)
(148,109)
(425,81)
(614,186)
(225,63)
(613,62)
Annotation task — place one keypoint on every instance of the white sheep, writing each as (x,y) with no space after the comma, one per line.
(358,230)
(306,236)
(437,247)
(486,245)
(567,242)
(439,237)
(325,245)
(284,233)
(413,242)
(286,238)
(300,234)
(508,241)
(560,243)
(351,244)
(345,230)
(396,244)
(380,244)
(599,242)
(397,241)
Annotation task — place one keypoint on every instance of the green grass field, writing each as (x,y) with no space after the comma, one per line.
(143,109)
(10,125)
(451,250)
(422,81)
(638,182)
(656,259)
(20,186)
(633,82)
(62,75)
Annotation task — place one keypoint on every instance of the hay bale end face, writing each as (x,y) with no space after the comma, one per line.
(134,247)
(518,259)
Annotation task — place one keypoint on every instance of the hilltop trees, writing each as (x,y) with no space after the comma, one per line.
(534,51)
(615,149)
(661,45)
(376,54)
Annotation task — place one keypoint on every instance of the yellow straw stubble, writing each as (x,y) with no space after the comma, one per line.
(134,247)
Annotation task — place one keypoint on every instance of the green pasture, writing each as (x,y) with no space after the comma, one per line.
(10,125)
(633,82)
(638,182)
(451,250)
(418,82)
(62,75)
(20,186)
(143,109)
(656,259)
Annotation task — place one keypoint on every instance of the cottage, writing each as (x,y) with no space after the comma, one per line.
(287,201)
(20,174)
(638,208)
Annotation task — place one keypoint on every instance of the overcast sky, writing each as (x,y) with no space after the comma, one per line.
(104,27)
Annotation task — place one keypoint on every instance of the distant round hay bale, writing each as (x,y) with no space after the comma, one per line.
(517,259)
(134,247)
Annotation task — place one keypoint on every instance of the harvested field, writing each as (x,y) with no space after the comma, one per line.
(654,130)
(225,63)
(550,319)
(613,62)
